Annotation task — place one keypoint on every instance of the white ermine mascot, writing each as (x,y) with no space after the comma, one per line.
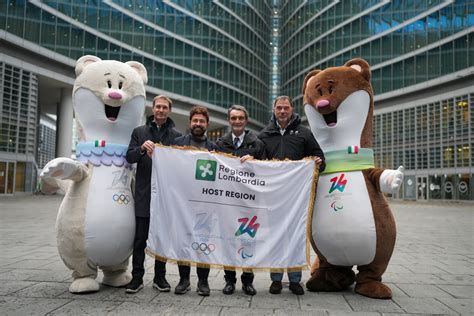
(96,220)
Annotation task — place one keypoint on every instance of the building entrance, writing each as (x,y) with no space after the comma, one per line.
(422,188)
(7,177)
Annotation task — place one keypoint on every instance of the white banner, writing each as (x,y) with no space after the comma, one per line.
(211,208)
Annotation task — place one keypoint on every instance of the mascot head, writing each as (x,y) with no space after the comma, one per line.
(109,98)
(339,105)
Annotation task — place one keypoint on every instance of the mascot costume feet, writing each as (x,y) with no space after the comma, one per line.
(96,220)
(352,223)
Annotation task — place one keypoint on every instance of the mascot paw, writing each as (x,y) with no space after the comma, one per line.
(60,168)
(117,279)
(391,180)
(330,279)
(374,289)
(84,285)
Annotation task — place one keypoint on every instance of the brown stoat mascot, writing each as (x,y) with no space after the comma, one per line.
(352,224)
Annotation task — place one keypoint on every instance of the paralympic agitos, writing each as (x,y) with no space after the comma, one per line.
(245,177)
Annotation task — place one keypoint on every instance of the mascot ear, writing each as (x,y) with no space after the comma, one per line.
(140,69)
(84,61)
(361,66)
(308,76)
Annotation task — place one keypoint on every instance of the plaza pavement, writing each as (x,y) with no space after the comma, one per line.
(431,272)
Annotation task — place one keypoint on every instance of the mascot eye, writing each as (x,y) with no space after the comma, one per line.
(120,84)
(320,92)
(109,83)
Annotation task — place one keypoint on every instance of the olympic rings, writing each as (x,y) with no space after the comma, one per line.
(121,198)
(203,248)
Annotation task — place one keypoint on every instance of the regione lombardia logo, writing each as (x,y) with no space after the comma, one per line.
(206,170)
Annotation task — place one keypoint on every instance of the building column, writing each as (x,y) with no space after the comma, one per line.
(64,124)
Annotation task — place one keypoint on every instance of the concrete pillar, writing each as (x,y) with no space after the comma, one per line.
(64,124)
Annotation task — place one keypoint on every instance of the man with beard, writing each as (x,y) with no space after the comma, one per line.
(198,124)
(245,144)
(159,128)
(285,138)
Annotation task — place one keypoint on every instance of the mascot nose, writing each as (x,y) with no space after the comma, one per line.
(322,103)
(115,95)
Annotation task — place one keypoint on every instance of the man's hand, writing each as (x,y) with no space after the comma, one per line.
(148,146)
(245,158)
(318,161)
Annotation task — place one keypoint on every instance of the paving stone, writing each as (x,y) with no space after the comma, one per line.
(360,303)
(411,278)
(423,305)
(324,301)
(189,299)
(85,307)
(29,264)
(10,305)
(43,289)
(338,313)
(233,311)
(285,300)
(237,299)
(192,310)
(418,290)
(134,308)
(425,268)
(35,275)
(459,279)
(9,287)
(464,306)
(397,268)
(296,312)
(459,291)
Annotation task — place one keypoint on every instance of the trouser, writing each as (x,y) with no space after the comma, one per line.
(294,277)
(185,271)
(142,224)
(231,276)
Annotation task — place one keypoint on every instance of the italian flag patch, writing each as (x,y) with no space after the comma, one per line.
(99,143)
(353,149)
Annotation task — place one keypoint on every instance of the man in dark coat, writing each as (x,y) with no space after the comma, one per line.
(198,124)
(159,128)
(285,138)
(241,143)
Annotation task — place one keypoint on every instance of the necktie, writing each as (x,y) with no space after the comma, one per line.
(236,143)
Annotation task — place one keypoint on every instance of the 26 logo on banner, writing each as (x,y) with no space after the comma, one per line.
(251,228)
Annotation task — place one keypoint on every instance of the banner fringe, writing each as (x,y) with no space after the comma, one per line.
(225,267)
(192,148)
(309,221)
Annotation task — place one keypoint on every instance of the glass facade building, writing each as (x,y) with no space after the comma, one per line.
(18,125)
(422,59)
(214,53)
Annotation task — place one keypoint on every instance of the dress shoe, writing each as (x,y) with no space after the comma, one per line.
(134,286)
(249,289)
(296,288)
(161,284)
(229,288)
(203,288)
(276,287)
(183,286)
